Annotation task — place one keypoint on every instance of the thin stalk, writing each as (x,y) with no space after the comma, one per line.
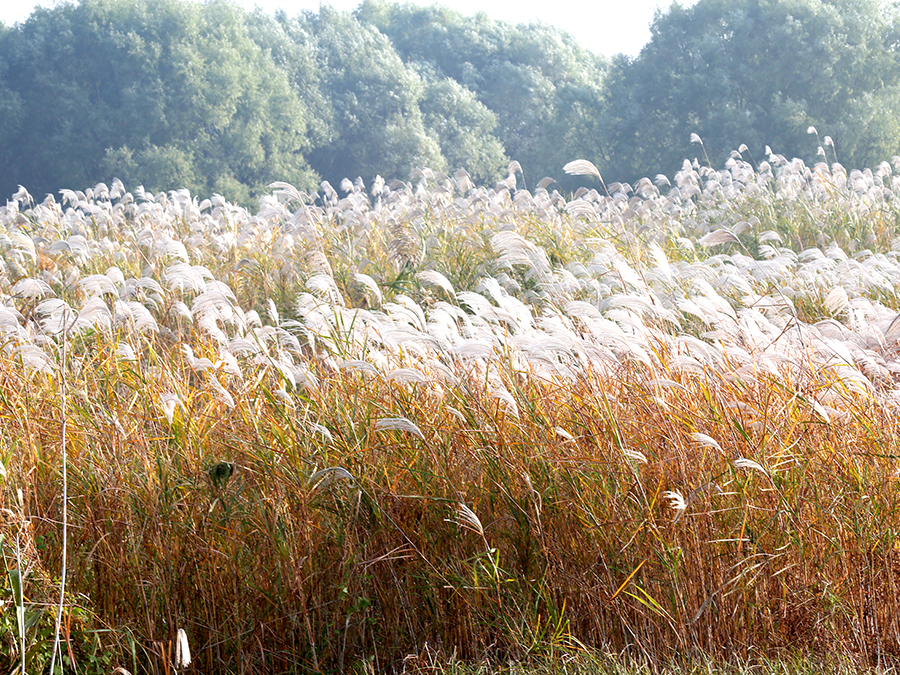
(20,603)
(65,500)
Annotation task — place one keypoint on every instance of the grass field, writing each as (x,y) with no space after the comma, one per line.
(430,426)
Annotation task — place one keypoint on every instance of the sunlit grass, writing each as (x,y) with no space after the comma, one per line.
(463,425)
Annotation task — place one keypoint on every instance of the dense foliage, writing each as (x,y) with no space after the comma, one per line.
(544,89)
(164,93)
(211,97)
(760,72)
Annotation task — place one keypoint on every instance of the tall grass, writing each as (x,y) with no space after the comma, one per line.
(443,422)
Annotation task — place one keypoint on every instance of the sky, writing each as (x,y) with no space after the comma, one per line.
(604,26)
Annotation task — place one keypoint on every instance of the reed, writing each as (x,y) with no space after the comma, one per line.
(441,424)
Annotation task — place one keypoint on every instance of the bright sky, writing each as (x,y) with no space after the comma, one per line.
(603,26)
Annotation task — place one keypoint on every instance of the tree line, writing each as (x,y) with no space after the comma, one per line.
(178,93)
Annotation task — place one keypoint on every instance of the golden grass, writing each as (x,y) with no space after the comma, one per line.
(518,509)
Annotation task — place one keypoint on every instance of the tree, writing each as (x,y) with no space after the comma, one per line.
(11,109)
(165,93)
(375,124)
(757,72)
(463,128)
(544,89)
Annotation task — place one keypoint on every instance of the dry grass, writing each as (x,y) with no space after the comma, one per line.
(477,465)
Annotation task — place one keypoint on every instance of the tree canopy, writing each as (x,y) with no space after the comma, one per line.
(167,93)
(179,93)
(542,86)
(760,73)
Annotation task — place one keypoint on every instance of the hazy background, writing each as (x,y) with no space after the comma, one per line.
(220,99)
(605,26)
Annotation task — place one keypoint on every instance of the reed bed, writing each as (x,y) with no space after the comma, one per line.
(411,424)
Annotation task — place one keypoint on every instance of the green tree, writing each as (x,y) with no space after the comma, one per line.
(11,109)
(545,90)
(757,72)
(292,47)
(375,125)
(167,93)
(463,128)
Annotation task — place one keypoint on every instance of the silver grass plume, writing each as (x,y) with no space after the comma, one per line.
(433,278)
(371,286)
(721,236)
(707,441)
(182,650)
(744,463)
(30,289)
(326,476)
(837,301)
(582,167)
(398,424)
(676,503)
(466,518)
(404,249)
